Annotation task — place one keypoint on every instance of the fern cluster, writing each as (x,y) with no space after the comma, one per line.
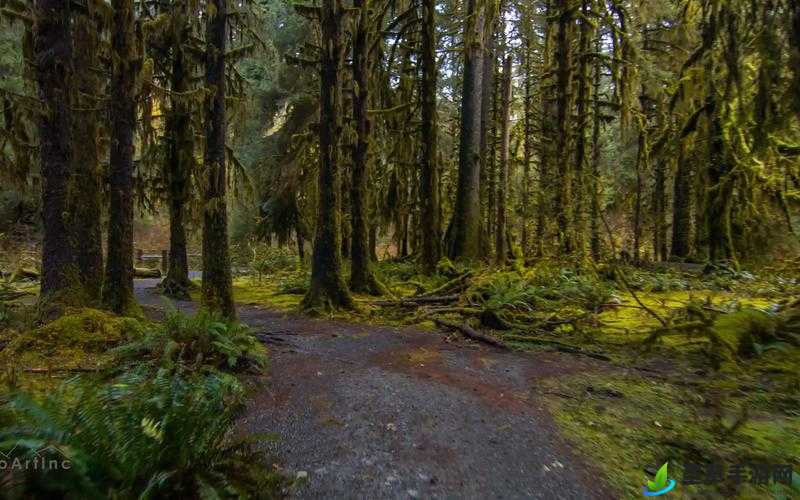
(139,436)
(160,425)
(201,342)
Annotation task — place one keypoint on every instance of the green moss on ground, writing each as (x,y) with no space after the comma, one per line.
(75,342)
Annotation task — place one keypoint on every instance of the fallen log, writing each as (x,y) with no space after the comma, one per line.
(470,333)
(417,301)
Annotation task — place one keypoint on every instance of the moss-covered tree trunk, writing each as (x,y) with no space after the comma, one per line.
(361,277)
(582,117)
(660,212)
(118,285)
(217,283)
(682,207)
(177,171)
(488,124)
(563,60)
(594,223)
(429,172)
(528,145)
(328,289)
(52,61)
(466,225)
(502,178)
(85,190)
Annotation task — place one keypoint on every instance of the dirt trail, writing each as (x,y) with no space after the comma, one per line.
(375,412)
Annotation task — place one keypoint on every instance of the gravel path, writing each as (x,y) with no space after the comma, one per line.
(375,412)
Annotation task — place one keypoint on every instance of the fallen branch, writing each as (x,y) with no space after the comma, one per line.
(416,301)
(72,370)
(456,284)
(470,333)
(559,346)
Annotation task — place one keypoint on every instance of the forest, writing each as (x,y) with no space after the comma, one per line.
(399,249)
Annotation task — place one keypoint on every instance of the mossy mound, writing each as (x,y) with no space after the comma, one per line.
(76,340)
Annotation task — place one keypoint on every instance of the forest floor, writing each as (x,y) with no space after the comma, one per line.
(385,412)
(579,401)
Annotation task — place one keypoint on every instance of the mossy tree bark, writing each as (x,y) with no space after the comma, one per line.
(594,223)
(528,145)
(502,178)
(217,292)
(466,225)
(429,174)
(361,277)
(177,170)
(488,125)
(682,207)
(52,59)
(563,61)
(118,287)
(84,190)
(328,289)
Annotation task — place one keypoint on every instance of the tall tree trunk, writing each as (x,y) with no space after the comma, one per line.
(488,130)
(328,289)
(429,174)
(637,211)
(682,207)
(596,248)
(584,94)
(52,57)
(563,59)
(85,191)
(361,277)
(527,146)
(505,139)
(177,170)
(217,282)
(118,286)
(467,211)
(659,212)
(544,198)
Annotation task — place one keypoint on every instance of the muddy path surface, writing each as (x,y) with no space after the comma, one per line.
(376,412)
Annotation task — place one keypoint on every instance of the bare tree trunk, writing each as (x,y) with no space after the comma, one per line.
(467,211)
(429,174)
(118,288)
(53,70)
(328,289)
(217,281)
(505,139)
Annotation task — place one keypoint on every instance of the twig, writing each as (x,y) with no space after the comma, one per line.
(416,301)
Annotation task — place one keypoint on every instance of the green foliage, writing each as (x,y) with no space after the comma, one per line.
(203,342)
(139,436)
